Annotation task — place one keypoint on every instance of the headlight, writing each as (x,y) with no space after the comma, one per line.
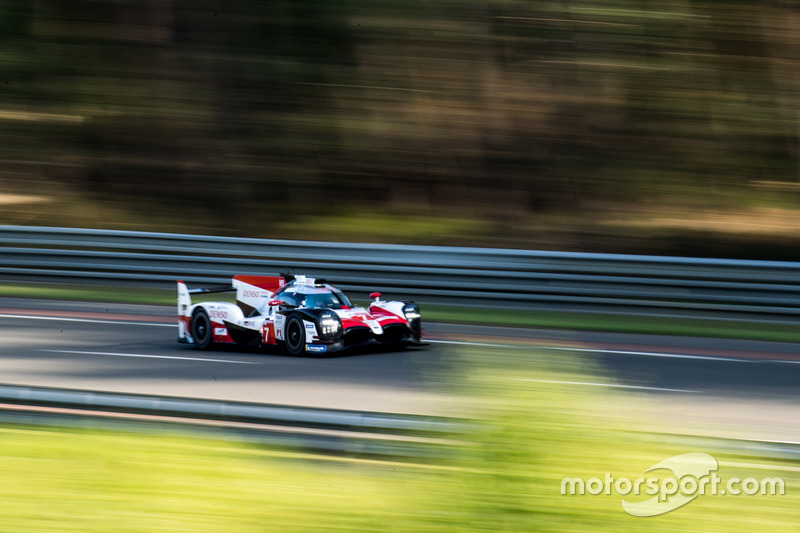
(411,312)
(329,324)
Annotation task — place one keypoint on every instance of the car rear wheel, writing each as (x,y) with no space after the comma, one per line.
(201,329)
(295,338)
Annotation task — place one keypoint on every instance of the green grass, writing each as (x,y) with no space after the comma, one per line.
(86,481)
(90,293)
(529,436)
(462,315)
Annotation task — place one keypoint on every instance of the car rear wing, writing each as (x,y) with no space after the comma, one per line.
(185,295)
(251,291)
(211,289)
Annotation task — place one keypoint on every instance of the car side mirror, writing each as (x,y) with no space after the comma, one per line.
(376,296)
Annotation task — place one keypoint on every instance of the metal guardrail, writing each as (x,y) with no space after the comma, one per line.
(457,275)
(306,428)
(381,436)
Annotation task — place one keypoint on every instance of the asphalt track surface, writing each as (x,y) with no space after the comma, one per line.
(717,387)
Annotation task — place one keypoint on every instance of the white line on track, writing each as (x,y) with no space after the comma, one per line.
(91,320)
(610,385)
(624,352)
(147,356)
(467,343)
(654,354)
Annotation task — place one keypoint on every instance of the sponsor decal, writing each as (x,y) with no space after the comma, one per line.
(316,348)
(214,313)
(375,326)
(280,321)
(314,291)
(311,329)
(220,331)
(253,294)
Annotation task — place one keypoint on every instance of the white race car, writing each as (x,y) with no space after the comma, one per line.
(297,313)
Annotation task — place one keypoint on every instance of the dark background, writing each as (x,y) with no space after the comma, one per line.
(621,126)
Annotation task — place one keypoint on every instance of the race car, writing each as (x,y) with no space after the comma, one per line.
(299,314)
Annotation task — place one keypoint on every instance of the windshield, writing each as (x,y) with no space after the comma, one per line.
(327,299)
(305,296)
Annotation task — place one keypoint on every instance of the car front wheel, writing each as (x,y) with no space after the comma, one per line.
(295,339)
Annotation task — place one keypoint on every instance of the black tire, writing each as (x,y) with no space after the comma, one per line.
(201,329)
(295,336)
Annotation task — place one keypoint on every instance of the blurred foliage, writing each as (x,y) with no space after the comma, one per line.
(545,416)
(553,123)
(533,428)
